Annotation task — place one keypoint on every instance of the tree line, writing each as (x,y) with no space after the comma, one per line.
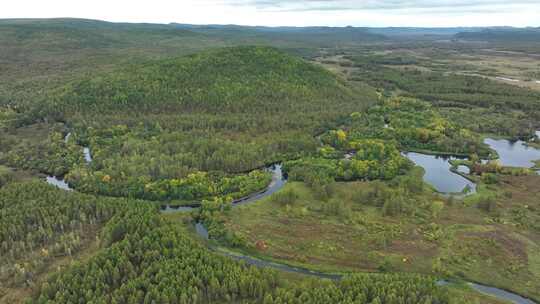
(150,260)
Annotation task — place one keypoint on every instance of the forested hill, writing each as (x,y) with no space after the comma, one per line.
(65,34)
(237,79)
(502,34)
(320,36)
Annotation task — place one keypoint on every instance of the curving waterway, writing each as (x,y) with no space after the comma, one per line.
(60,183)
(278,182)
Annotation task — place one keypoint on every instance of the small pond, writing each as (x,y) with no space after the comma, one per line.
(514,154)
(438,173)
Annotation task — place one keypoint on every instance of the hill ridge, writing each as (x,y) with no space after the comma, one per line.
(223,79)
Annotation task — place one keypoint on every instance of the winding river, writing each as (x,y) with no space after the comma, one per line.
(60,183)
(278,181)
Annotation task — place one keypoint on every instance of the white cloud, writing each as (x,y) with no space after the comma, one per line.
(288,12)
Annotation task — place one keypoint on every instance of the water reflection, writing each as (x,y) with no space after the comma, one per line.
(278,181)
(463,169)
(438,174)
(514,154)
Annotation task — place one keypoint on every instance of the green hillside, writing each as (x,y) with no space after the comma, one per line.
(67,34)
(503,34)
(40,54)
(199,121)
(239,79)
(128,122)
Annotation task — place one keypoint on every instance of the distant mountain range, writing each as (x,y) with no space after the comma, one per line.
(502,34)
(309,36)
(488,33)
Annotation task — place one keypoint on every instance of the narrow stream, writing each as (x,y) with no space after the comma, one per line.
(60,183)
(87,155)
(262,263)
(66,139)
(278,181)
(500,294)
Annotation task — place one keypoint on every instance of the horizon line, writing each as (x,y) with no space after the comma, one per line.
(266,26)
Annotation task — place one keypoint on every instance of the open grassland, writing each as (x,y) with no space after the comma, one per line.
(346,233)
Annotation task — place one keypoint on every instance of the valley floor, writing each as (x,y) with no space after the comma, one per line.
(345,233)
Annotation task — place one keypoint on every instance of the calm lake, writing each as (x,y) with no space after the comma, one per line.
(438,173)
(514,154)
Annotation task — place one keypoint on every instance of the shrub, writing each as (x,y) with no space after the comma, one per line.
(336,207)
(392,206)
(6,176)
(490,178)
(487,203)
(436,208)
(286,197)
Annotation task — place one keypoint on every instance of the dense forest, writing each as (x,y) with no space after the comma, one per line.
(41,224)
(146,259)
(481,104)
(225,80)
(368,145)
(415,125)
(193,125)
(137,116)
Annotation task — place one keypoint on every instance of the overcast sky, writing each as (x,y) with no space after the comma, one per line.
(429,13)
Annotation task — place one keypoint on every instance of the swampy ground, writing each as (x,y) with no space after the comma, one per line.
(497,244)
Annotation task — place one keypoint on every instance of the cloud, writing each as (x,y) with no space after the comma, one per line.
(389,12)
(377,5)
(431,13)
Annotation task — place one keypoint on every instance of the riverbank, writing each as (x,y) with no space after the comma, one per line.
(306,234)
(394,243)
(260,261)
(458,289)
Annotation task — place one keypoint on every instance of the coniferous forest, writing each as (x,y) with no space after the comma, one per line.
(175,164)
